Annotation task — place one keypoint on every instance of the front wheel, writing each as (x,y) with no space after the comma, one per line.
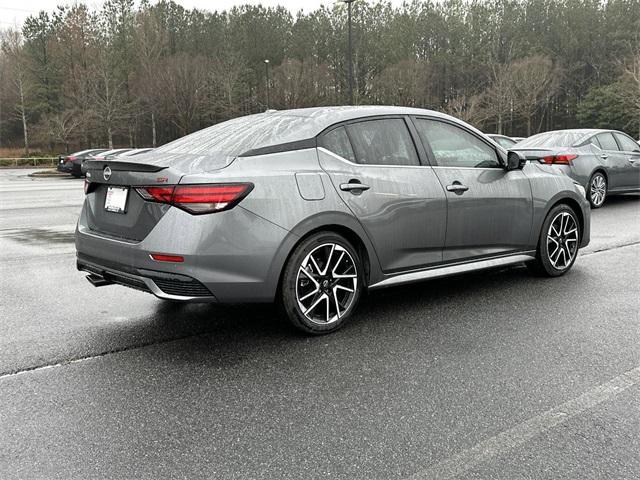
(597,190)
(322,283)
(558,244)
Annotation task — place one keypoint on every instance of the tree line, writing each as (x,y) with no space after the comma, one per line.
(142,75)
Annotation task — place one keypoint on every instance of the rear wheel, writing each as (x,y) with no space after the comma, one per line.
(558,244)
(322,283)
(597,189)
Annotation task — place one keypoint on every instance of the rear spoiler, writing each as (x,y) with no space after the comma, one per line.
(117,165)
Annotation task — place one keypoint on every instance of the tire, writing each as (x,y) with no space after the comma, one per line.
(322,283)
(560,230)
(597,192)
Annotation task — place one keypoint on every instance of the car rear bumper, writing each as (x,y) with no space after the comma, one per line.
(162,285)
(66,167)
(229,257)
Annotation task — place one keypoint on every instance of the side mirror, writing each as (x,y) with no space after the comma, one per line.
(515,161)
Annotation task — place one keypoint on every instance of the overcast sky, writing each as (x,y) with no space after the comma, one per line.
(14,12)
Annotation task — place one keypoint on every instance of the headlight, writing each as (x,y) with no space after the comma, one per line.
(581,189)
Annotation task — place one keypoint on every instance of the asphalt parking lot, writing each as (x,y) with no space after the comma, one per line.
(492,375)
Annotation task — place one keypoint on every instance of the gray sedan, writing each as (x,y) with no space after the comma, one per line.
(604,162)
(311,208)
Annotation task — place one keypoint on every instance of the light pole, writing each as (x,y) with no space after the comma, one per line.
(349,52)
(266,68)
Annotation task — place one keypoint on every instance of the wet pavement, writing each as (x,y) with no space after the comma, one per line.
(492,375)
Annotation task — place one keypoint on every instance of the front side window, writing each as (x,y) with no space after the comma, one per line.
(383,142)
(454,147)
(337,141)
(626,144)
(607,141)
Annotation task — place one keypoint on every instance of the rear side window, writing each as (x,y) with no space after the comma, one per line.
(383,142)
(626,144)
(337,141)
(454,147)
(607,141)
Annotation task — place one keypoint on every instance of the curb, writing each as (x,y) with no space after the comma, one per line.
(47,173)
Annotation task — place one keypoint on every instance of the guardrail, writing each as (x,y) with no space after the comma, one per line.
(29,161)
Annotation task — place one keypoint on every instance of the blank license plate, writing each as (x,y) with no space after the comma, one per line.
(116,199)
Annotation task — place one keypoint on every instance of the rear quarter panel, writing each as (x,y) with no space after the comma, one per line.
(550,186)
(278,196)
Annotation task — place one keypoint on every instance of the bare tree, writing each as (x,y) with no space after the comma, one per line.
(470,108)
(630,84)
(404,83)
(61,127)
(17,72)
(498,98)
(184,87)
(109,101)
(535,81)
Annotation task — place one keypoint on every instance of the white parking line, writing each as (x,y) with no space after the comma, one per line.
(505,441)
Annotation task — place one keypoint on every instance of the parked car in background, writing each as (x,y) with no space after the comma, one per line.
(604,162)
(73,163)
(115,152)
(135,151)
(119,153)
(502,140)
(312,207)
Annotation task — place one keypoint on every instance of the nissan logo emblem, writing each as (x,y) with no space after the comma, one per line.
(106,173)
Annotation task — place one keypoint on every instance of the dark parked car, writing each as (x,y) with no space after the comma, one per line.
(73,163)
(604,162)
(113,153)
(312,207)
(502,140)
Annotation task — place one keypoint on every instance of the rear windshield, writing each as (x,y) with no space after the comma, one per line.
(233,137)
(552,139)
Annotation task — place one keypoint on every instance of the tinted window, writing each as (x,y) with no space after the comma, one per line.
(454,147)
(552,139)
(337,141)
(626,144)
(607,141)
(383,142)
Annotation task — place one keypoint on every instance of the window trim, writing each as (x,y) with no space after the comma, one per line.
(431,155)
(420,154)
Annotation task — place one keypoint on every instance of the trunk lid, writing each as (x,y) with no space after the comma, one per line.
(138,217)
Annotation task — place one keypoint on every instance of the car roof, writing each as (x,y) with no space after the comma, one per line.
(278,130)
(323,117)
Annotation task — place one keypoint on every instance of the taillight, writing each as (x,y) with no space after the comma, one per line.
(69,159)
(163,257)
(198,199)
(559,159)
(89,186)
(156,194)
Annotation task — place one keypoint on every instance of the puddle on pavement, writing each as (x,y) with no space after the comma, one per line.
(38,235)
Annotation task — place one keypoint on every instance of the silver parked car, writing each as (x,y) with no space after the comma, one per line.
(502,140)
(604,162)
(313,207)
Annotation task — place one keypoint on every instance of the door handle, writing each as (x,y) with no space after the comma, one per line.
(457,187)
(354,186)
(604,156)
